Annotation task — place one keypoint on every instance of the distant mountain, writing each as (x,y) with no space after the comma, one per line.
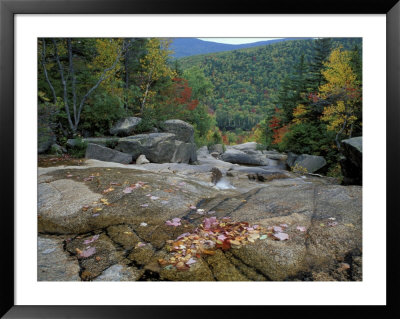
(183,47)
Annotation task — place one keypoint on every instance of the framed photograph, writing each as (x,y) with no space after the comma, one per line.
(165,155)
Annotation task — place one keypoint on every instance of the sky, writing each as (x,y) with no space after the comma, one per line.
(236,40)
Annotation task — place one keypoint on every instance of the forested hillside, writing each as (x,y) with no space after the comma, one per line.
(247,82)
(300,95)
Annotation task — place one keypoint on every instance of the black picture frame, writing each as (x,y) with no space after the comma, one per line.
(9,8)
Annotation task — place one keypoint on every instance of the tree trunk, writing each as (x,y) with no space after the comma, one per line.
(45,71)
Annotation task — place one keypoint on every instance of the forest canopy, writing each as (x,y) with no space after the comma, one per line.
(303,96)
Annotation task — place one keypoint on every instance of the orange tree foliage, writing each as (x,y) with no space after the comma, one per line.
(179,101)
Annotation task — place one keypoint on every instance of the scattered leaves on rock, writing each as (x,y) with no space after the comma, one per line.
(212,234)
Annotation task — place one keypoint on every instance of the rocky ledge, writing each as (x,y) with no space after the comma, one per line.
(213,221)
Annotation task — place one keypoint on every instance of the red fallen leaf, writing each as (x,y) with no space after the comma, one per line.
(226,245)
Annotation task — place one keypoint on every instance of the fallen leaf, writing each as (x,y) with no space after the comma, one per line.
(69,175)
(144,205)
(108,190)
(95,215)
(191,261)
(87,252)
(332,224)
(115,183)
(322,224)
(281,236)
(263,237)
(154,197)
(174,222)
(277,229)
(349,225)
(97,209)
(85,208)
(143,224)
(235,242)
(192,207)
(301,228)
(98,258)
(128,190)
(332,218)
(94,238)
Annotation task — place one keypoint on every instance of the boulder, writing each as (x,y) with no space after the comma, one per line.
(158,148)
(351,164)
(311,163)
(291,158)
(46,139)
(183,131)
(235,156)
(142,160)
(249,146)
(203,152)
(101,153)
(57,149)
(218,148)
(125,126)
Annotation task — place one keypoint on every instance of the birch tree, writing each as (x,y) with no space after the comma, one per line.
(73,104)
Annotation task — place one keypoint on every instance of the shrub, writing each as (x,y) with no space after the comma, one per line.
(79,149)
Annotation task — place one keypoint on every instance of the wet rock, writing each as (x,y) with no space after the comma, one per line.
(106,154)
(123,235)
(54,264)
(125,126)
(101,254)
(141,255)
(197,272)
(222,269)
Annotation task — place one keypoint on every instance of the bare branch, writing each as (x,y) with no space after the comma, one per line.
(64,83)
(45,71)
(71,71)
